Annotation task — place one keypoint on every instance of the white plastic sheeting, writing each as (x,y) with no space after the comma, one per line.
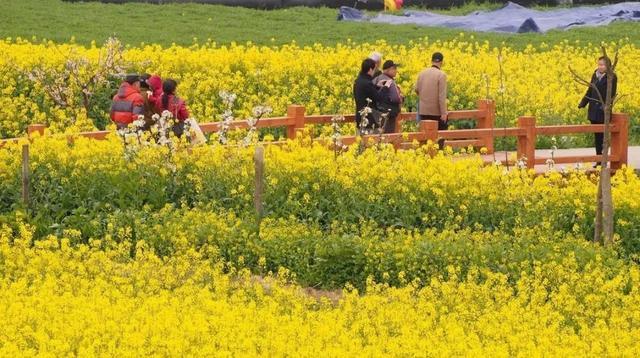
(511,18)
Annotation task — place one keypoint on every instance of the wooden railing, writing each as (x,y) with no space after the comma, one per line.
(618,154)
(296,119)
(481,137)
(527,132)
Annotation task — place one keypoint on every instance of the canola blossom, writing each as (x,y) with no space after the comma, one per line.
(81,185)
(151,251)
(128,248)
(59,299)
(535,81)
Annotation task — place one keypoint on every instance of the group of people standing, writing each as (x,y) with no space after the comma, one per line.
(147,95)
(378,97)
(376,88)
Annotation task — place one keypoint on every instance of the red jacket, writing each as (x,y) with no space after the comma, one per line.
(127,104)
(155,82)
(176,106)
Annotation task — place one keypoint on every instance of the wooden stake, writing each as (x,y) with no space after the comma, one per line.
(258,159)
(25,175)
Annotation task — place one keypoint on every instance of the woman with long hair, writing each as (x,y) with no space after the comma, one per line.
(592,98)
(169,101)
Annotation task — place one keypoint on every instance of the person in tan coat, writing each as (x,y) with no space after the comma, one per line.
(431,88)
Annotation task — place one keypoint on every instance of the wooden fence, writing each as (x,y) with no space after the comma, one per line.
(480,137)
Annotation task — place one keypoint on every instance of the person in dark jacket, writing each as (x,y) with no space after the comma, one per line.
(591,98)
(391,97)
(365,94)
(169,101)
(128,103)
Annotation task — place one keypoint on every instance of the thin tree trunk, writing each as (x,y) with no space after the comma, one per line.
(25,175)
(605,174)
(607,207)
(604,202)
(258,159)
(597,232)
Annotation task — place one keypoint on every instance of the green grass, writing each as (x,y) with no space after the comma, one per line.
(166,24)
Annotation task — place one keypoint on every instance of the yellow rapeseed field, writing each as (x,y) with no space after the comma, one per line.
(130,248)
(535,81)
(58,300)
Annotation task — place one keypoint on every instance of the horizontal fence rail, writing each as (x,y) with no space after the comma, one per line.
(482,136)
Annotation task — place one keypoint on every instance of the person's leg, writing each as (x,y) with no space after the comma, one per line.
(599,139)
(442,126)
(390,124)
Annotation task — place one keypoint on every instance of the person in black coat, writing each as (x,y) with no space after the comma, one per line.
(591,98)
(363,89)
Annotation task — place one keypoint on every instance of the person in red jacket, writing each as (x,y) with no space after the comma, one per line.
(128,103)
(151,90)
(169,101)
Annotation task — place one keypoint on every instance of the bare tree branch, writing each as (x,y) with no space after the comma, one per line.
(580,80)
(604,202)
(618,98)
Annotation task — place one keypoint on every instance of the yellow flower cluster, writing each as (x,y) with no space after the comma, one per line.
(157,252)
(536,80)
(393,189)
(57,299)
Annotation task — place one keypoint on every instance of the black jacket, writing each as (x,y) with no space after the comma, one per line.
(364,88)
(596,110)
(389,99)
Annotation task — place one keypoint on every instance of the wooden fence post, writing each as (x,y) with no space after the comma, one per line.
(620,140)
(35,128)
(296,113)
(527,141)
(398,128)
(258,159)
(430,130)
(487,121)
(25,175)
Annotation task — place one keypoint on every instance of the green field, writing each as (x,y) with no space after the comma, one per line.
(166,24)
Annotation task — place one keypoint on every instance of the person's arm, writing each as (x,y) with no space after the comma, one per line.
(442,95)
(585,99)
(373,94)
(138,108)
(417,89)
(394,93)
(112,111)
(587,95)
(183,113)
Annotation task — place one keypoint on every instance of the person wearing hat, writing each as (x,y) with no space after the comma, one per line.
(391,97)
(431,88)
(377,58)
(128,103)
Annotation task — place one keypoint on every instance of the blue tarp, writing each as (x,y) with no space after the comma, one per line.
(511,18)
